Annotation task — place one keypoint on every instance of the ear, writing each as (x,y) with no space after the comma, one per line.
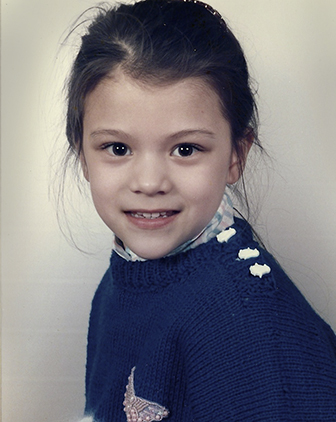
(239,157)
(84,166)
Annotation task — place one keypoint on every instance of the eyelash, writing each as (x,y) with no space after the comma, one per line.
(187,147)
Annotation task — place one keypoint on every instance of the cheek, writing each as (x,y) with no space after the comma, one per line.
(102,191)
(103,178)
(207,182)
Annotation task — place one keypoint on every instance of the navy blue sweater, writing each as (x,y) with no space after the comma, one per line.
(209,341)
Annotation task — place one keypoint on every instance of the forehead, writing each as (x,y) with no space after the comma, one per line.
(140,110)
(120,81)
(121,96)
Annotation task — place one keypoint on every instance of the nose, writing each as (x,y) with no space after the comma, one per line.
(150,176)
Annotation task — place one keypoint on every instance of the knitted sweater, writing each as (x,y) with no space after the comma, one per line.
(218,333)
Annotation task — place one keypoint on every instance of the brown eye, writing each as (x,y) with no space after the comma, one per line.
(185,150)
(118,149)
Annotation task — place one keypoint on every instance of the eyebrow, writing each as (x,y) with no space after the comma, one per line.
(178,135)
(187,132)
(112,132)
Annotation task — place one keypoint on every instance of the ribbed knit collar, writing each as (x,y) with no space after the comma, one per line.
(222,219)
(158,273)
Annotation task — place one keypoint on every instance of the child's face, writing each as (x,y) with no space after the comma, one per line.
(158,159)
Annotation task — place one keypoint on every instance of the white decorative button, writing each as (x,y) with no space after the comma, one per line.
(259,270)
(225,235)
(248,253)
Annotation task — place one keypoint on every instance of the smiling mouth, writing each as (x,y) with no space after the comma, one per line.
(151,215)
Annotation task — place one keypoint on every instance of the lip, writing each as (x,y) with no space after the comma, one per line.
(151,219)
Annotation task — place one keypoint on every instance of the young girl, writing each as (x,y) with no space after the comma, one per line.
(193,320)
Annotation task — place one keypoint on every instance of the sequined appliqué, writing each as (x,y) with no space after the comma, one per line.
(141,410)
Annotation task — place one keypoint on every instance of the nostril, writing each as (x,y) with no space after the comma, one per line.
(150,185)
(149,193)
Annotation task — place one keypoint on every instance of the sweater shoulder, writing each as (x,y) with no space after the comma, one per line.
(243,288)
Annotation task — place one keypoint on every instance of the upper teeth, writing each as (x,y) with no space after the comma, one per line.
(149,215)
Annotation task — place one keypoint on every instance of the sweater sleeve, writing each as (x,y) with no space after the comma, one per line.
(257,351)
